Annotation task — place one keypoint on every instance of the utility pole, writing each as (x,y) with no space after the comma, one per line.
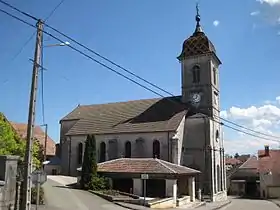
(25,203)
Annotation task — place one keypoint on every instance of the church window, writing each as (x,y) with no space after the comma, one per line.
(80,153)
(214,76)
(102,155)
(127,149)
(156,149)
(217,135)
(196,74)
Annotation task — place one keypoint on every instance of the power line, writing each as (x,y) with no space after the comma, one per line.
(249,129)
(18,10)
(126,77)
(97,54)
(53,11)
(34,33)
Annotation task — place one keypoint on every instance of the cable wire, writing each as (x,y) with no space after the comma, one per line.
(18,10)
(126,77)
(34,33)
(96,53)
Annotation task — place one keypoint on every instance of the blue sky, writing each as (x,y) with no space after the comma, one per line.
(144,36)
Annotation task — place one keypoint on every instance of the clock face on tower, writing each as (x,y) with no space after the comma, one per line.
(195,98)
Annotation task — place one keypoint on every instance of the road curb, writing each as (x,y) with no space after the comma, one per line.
(223,205)
(276,203)
(127,207)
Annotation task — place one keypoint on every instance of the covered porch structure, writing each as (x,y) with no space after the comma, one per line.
(151,177)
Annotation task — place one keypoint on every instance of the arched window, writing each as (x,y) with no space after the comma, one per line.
(102,154)
(217,136)
(196,74)
(156,149)
(80,153)
(127,149)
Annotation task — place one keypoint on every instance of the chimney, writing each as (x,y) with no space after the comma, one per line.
(266,150)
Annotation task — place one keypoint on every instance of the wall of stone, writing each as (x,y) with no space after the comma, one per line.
(8,173)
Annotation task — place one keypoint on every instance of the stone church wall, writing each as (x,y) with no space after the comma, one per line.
(141,146)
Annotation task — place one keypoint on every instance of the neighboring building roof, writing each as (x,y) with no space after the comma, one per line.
(269,163)
(232,161)
(243,158)
(251,163)
(247,169)
(146,115)
(143,166)
(39,134)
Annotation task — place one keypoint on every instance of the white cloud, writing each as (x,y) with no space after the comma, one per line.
(255,13)
(264,119)
(270,2)
(216,23)
(278,97)
(278,33)
(247,145)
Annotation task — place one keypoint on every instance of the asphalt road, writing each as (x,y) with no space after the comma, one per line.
(244,204)
(59,197)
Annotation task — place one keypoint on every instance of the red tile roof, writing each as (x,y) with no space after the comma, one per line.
(143,166)
(269,163)
(232,161)
(39,134)
(251,163)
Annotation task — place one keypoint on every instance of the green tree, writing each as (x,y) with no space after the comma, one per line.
(12,144)
(89,167)
(236,155)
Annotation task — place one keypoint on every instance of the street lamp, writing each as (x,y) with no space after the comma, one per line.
(62,44)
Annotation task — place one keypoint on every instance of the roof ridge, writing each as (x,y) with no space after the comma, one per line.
(164,165)
(129,101)
(109,161)
(177,165)
(118,102)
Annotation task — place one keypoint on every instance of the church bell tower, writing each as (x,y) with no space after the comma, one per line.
(200,73)
(203,143)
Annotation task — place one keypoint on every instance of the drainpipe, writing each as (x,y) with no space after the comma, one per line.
(69,157)
(205,150)
(168,146)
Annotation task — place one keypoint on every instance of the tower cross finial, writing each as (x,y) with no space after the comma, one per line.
(197,18)
(197,9)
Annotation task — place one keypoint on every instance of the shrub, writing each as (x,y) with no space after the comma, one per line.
(34,195)
(99,183)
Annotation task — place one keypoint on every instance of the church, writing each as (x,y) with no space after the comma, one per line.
(173,135)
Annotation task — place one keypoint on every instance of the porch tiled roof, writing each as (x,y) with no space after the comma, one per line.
(144,166)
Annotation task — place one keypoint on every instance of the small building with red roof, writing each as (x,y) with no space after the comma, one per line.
(269,172)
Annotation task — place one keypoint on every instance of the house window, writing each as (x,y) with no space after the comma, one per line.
(196,74)
(80,153)
(156,149)
(214,76)
(127,149)
(102,155)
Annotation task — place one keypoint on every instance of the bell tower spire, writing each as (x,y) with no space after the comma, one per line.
(198,28)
